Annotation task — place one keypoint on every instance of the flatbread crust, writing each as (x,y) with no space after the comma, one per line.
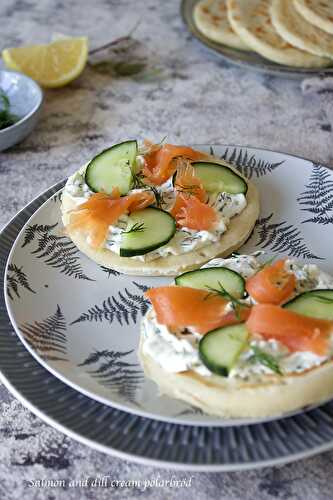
(316,12)
(239,229)
(210,17)
(251,20)
(296,30)
(229,398)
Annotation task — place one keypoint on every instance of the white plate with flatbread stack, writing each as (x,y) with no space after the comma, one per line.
(271,36)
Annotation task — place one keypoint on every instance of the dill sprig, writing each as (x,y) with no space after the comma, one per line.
(123,58)
(139,183)
(221,291)
(117,41)
(6,117)
(158,196)
(265,359)
(138,227)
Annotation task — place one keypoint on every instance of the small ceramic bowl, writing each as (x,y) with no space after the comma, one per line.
(26,99)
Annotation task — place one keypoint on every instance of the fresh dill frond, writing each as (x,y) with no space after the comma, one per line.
(222,292)
(265,359)
(158,196)
(139,183)
(136,228)
(6,117)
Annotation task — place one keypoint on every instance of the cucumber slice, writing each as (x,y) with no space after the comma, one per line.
(112,168)
(147,230)
(219,349)
(316,304)
(211,277)
(217,178)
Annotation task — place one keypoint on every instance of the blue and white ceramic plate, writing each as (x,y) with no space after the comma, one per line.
(243,58)
(297,212)
(82,321)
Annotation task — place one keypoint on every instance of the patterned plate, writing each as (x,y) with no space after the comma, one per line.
(249,60)
(157,443)
(81,321)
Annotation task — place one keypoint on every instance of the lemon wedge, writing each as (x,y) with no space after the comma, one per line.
(52,65)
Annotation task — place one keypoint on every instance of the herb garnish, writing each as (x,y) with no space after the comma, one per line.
(124,57)
(236,304)
(6,117)
(265,359)
(139,183)
(136,228)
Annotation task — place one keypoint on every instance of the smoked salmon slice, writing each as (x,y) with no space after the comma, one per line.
(183,307)
(189,208)
(272,284)
(160,164)
(186,182)
(193,213)
(297,332)
(101,210)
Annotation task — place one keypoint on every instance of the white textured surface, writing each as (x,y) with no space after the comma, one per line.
(200,100)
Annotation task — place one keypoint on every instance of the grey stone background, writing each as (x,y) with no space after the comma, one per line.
(195,98)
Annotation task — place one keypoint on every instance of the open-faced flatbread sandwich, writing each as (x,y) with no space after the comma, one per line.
(242,338)
(157,209)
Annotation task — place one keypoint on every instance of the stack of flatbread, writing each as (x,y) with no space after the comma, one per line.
(290,32)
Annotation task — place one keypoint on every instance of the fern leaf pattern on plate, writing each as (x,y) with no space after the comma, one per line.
(317,198)
(124,307)
(281,237)
(96,327)
(111,369)
(16,279)
(57,197)
(110,272)
(56,251)
(48,337)
(247,164)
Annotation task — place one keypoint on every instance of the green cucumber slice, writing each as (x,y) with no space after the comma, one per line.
(217,178)
(147,230)
(212,277)
(219,349)
(316,304)
(112,168)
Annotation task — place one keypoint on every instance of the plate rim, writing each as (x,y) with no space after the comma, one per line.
(236,467)
(266,66)
(215,421)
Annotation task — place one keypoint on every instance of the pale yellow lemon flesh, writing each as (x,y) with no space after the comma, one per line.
(52,65)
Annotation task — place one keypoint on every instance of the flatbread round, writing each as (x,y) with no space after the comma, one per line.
(319,14)
(296,30)
(252,22)
(239,229)
(211,19)
(230,398)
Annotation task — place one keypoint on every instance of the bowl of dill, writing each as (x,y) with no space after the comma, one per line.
(20,105)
